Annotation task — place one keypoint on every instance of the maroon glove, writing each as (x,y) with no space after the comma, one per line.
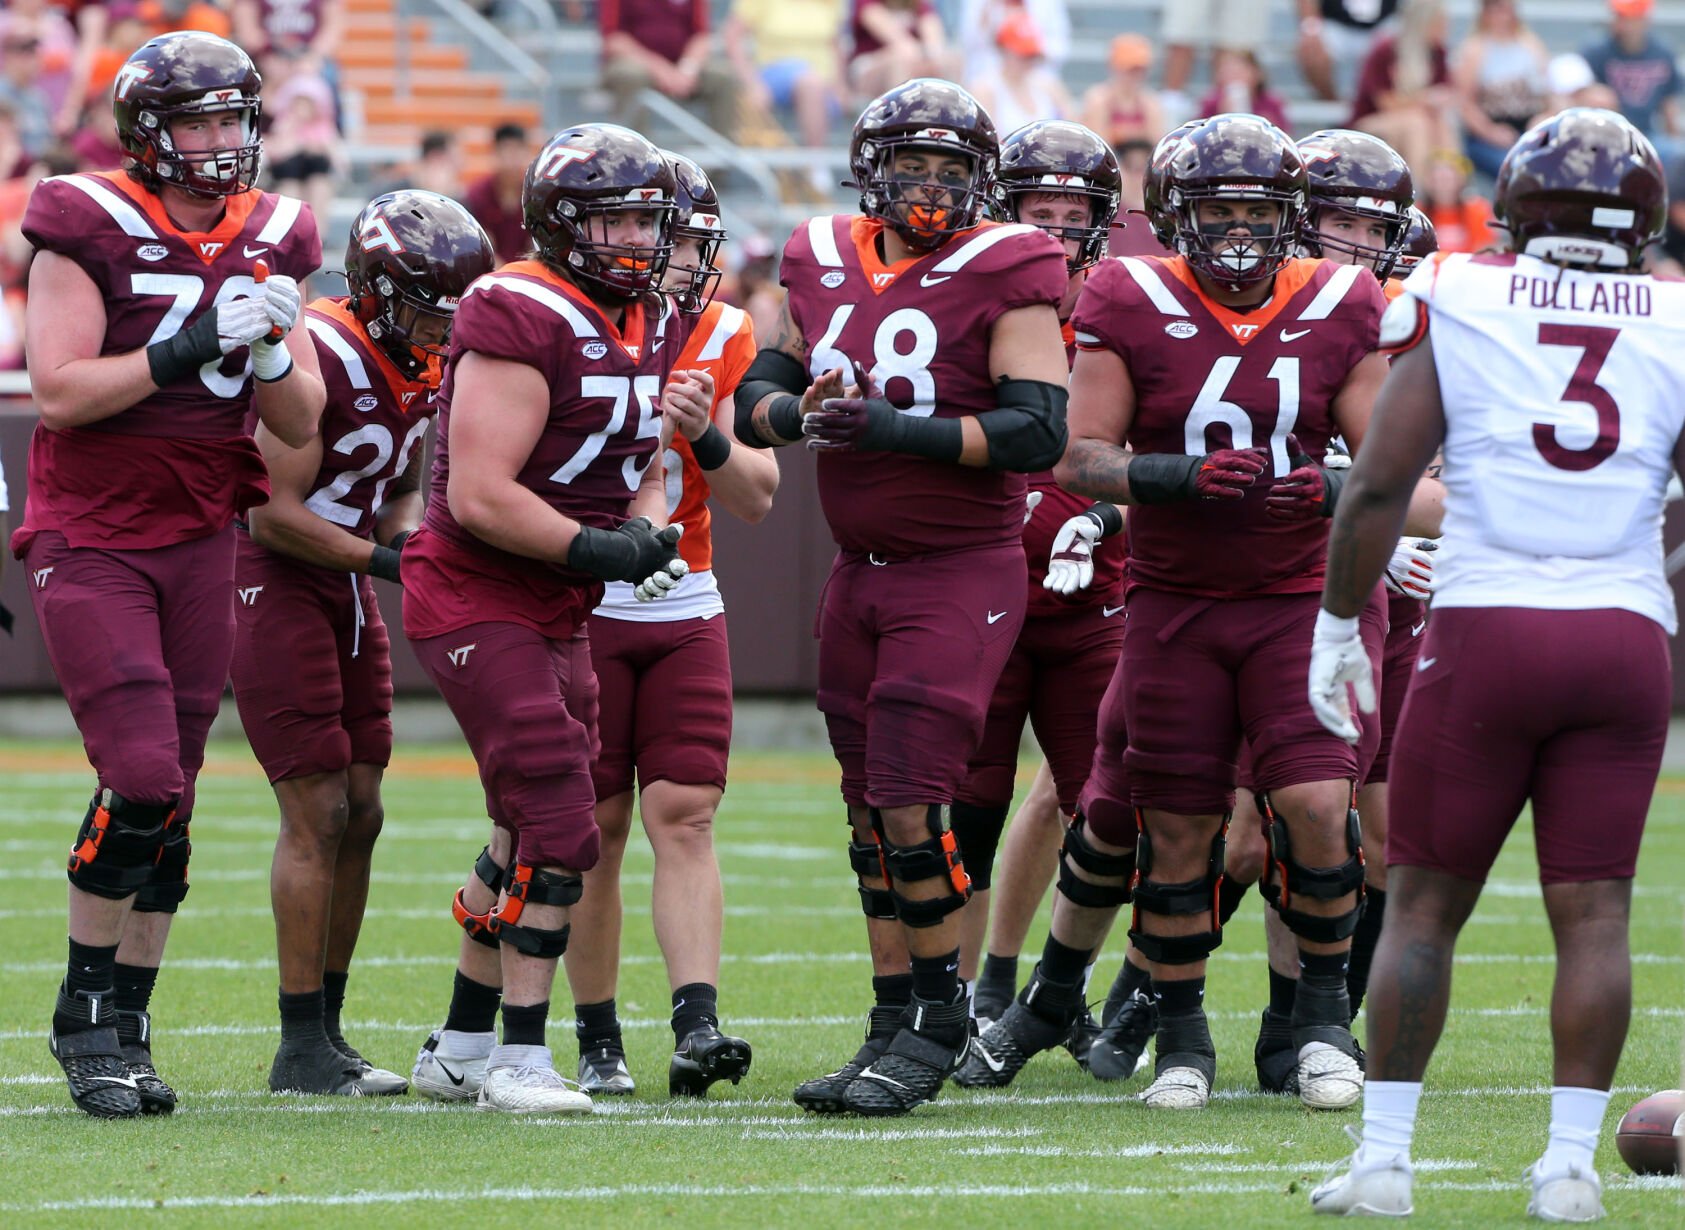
(1228,472)
(1302,494)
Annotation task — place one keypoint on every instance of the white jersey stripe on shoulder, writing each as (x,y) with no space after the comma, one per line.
(979,244)
(557,303)
(281,221)
(355,369)
(822,237)
(1332,292)
(725,328)
(1153,286)
(122,213)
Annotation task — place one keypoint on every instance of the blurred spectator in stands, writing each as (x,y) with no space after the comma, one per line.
(1404,91)
(1192,25)
(439,166)
(1501,76)
(1131,234)
(758,291)
(979,20)
(1462,219)
(208,16)
(1642,71)
(55,40)
(20,89)
(16,251)
(1123,107)
(1573,84)
(91,20)
(1021,90)
(788,55)
(895,40)
(1238,84)
(495,199)
(664,45)
(13,160)
(125,27)
(302,148)
(309,31)
(1334,38)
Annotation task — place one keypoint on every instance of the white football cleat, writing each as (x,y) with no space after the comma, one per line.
(523,1080)
(1178,1089)
(1354,1190)
(451,1065)
(1329,1079)
(1573,1194)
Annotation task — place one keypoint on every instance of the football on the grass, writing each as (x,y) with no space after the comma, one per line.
(1650,1134)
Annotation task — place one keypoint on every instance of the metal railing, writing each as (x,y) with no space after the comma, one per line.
(498,44)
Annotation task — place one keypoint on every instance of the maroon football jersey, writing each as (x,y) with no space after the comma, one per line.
(179,463)
(602,434)
(922,328)
(375,418)
(1209,377)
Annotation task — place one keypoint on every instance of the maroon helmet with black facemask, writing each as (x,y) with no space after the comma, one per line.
(697,217)
(174,76)
(1155,188)
(582,174)
(1583,188)
(1355,173)
(1059,158)
(924,114)
(1234,157)
(1420,242)
(411,257)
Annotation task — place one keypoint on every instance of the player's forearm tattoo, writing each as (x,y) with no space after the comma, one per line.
(1096,469)
(1423,988)
(787,336)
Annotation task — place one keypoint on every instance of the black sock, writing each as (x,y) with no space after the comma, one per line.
(695,1004)
(1132,978)
(301,1017)
(597,1026)
(1364,939)
(1283,991)
(892,990)
(1323,967)
(524,1025)
(473,1007)
(936,980)
(134,984)
(999,971)
(1062,963)
(1321,999)
(1179,998)
(91,968)
(333,999)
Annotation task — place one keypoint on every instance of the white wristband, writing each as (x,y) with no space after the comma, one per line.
(270,361)
(1331,627)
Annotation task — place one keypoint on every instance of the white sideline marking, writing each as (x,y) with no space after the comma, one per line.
(423,1028)
(862,1135)
(1147,1150)
(1318,1165)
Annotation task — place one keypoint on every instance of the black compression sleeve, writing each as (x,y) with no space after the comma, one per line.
(712,449)
(1162,478)
(1026,432)
(181,354)
(772,371)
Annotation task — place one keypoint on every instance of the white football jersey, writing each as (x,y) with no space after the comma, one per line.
(1564,396)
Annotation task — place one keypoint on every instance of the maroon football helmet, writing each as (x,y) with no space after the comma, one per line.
(586,172)
(1582,188)
(1234,157)
(925,114)
(1155,189)
(698,218)
(1419,243)
(183,74)
(412,255)
(1060,158)
(1355,173)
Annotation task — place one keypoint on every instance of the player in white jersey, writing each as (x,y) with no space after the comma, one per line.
(1550,375)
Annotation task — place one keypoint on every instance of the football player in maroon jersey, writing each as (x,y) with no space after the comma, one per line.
(1207,388)
(312,664)
(549,426)
(947,329)
(157,293)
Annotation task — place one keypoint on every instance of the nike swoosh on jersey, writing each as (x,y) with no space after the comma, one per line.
(996,616)
(1425,663)
(927,280)
(1293,337)
(250,252)
(1108,611)
(1419,628)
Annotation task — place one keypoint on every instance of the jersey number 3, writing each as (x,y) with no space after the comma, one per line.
(1594,343)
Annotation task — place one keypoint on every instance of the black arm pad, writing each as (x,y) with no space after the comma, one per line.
(1107,516)
(384,563)
(1332,482)
(1162,478)
(181,354)
(773,371)
(1027,431)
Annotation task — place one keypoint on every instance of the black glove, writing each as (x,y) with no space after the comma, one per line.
(631,552)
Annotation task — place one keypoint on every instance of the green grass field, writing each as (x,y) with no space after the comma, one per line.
(1060,1149)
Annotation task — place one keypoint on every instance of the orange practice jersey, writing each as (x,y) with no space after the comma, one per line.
(722,344)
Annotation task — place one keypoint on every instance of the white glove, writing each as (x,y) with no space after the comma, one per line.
(240,322)
(661,582)
(1070,565)
(282,299)
(270,360)
(1410,571)
(1030,502)
(1337,659)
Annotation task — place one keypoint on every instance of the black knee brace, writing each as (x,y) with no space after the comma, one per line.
(1077,852)
(866,857)
(479,927)
(977,830)
(117,848)
(1201,896)
(163,893)
(535,886)
(1285,877)
(935,859)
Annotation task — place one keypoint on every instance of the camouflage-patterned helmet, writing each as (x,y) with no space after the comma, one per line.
(698,218)
(176,76)
(1355,173)
(1155,188)
(1420,242)
(924,114)
(1059,158)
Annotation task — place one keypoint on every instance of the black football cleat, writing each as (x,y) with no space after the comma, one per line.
(932,1042)
(92,1058)
(317,1067)
(1275,1056)
(704,1057)
(1085,1031)
(989,1002)
(134,1034)
(1121,1048)
(1041,1018)
(823,1095)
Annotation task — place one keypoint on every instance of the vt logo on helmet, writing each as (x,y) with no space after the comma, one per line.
(1056,158)
(179,76)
